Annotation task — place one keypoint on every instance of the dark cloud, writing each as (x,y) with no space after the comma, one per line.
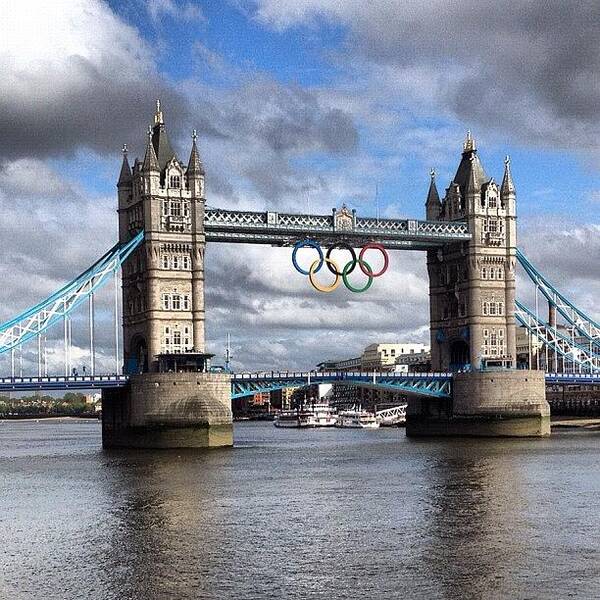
(530,71)
(63,87)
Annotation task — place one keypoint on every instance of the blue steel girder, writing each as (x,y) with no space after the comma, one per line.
(284,229)
(437,385)
(37,319)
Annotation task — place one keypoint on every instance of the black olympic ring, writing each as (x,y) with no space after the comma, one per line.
(341,246)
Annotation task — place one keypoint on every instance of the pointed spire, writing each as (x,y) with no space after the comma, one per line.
(508,187)
(195,167)
(469,143)
(160,139)
(150,161)
(433,206)
(472,183)
(158,116)
(470,175)
(125,175)
(433,198)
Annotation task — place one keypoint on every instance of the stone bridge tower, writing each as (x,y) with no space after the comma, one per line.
(163,281)
(472,284)
(472,304)
(171,400)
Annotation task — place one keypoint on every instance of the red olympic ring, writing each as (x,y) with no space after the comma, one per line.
(386,259)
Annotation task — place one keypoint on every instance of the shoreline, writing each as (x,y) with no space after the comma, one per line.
(52,418)
(564,422)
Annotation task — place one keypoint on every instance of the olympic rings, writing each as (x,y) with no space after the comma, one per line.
(386,259)
(342,275)
(315,284)
(307,244)
(346,271)
(341,246)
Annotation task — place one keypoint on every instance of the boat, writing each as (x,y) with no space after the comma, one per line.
(318,414)
(357,419)
(323,415)
(294,418)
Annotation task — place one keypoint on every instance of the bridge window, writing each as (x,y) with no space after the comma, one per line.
(175,209)
(165,208)
(166,302)
(175,181)
(186,263)
(484,273)
(500,273)
(492,202)
(177,338)
(175,262)
(176,302)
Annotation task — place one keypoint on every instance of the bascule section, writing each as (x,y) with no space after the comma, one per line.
(472,312)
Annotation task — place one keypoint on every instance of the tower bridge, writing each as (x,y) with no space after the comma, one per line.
(167,396)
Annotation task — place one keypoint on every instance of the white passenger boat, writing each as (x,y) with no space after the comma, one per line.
(314,415)
(357,419)
(294,418)
(323,415)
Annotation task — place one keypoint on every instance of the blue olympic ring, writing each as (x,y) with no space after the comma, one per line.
(307,244)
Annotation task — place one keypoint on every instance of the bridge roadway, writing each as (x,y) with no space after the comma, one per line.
(437,385)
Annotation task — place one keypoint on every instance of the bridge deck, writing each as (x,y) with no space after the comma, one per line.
(436,384)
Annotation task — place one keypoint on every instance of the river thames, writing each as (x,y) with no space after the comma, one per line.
(298,514)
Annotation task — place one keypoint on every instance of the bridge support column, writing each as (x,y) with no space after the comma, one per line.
(504,403)
(169,410)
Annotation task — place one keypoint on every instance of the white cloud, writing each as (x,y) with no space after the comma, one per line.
(188,11)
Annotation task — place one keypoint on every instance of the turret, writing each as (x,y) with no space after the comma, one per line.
(507,189)
(150,169)
(125,174)
(195,170)
(433,206)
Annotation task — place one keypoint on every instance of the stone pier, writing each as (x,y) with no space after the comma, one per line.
(503,403)
(169,410)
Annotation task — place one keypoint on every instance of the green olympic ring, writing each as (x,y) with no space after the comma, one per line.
(365,268)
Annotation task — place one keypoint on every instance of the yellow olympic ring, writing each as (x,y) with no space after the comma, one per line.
(315,284)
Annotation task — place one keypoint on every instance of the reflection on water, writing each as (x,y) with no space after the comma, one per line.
(298,514)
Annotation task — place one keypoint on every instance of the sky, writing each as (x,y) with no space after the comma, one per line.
(300,105)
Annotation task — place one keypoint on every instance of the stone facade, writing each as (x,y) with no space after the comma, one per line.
(472,284)
(163,309)
(163,280)
(169,410)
